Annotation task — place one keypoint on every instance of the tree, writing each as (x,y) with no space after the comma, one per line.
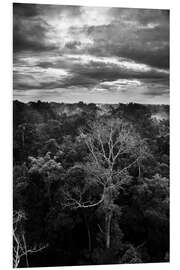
(48,168)
(146,216)
(113,149)
(20,246)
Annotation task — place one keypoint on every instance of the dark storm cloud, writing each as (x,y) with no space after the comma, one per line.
(100,49)
(141,35)
(29,30)
(135,36)
(54,10)
(99,71)
(157,58)
(22,10)
(82,71)
(157,87)
(72,44)
(26,37)
(143,16)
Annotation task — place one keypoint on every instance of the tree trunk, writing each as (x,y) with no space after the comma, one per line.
(88,232)
(23,139)
(26,255)
(89,237)
(108,228)
(139,172)
(48,190)
(108,202)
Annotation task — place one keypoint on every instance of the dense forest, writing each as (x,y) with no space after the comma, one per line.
(91,184)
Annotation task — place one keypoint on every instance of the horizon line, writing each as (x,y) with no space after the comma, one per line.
(102,103)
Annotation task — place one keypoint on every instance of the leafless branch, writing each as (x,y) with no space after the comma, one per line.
(19,241)
(73,203)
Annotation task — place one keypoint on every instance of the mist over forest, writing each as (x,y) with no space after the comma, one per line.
(91,183)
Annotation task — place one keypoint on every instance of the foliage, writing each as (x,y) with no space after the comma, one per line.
(91,187)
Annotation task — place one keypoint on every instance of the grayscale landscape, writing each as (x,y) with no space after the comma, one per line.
(90,135)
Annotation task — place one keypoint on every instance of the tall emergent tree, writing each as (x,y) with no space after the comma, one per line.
(113,149)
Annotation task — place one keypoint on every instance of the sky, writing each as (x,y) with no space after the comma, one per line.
(90,54)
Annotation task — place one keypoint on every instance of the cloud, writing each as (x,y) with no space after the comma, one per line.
(109,51)
(21,10)
(145,45)
(131,87)
(140,35)
(78,70)
(29,29)
(26,38)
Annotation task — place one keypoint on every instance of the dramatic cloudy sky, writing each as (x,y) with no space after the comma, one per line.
(92,54)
